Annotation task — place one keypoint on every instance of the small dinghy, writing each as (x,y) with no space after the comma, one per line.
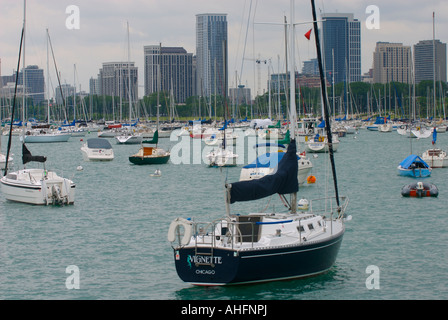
(156,173)
(420,190)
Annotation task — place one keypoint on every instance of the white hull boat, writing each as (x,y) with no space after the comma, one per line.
(386,127)
(37,186)
(222,158)
(45,137)
(435,158)
(129,139)
(260,168)
(420,133)
(3,160)
(320,145)
(97,149)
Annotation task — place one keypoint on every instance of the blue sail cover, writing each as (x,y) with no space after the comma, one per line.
(409,160)
(267,160)
(282,182)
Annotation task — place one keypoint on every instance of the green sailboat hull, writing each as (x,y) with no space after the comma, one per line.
(149,160)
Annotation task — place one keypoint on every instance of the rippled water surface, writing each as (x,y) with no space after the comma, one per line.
(115,233)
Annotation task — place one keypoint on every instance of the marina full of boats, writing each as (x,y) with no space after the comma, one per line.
(310,136)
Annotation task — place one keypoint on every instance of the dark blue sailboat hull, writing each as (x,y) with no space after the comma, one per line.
(218,266)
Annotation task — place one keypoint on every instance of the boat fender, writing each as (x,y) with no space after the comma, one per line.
(172,231)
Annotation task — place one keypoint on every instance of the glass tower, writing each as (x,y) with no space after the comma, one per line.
(424,60)
(341,35)
(211,54)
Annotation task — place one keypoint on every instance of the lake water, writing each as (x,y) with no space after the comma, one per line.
(115,233)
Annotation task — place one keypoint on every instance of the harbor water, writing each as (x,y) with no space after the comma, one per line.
(115,235)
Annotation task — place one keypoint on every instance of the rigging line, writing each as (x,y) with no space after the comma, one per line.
(245,42)
(324,95)
(14,102)
(57,74)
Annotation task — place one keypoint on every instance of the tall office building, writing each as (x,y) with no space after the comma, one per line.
(341,35)
(211,54)
(113,80)
(34,83)
(424,59)
(94,87)
(392,62)
(63,92)
(310,67)
(176,71)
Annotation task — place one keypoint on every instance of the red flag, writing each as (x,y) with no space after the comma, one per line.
(308,34)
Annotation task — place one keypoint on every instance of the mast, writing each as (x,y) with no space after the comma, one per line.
(22,40)
(292,82)
(324,95)
(48,82)
(434,59)
(23,72)
(129,78)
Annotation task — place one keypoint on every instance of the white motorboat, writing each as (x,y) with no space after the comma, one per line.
(435,158)
(97,149)
(37,186)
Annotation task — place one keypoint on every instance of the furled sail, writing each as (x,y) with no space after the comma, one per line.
(27,157)
(155,138)
(284,181)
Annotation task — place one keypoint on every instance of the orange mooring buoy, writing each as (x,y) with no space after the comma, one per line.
(311,179)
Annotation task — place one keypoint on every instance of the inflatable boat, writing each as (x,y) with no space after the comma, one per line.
(419,190)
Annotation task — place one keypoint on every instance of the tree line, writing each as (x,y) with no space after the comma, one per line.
(358,98)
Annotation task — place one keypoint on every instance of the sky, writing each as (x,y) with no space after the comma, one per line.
(254,32)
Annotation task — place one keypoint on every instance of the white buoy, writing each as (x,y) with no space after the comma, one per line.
(157,173)
(303,204)
(79,168)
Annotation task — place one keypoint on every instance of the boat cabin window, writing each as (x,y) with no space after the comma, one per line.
(310,226)
(11,176)
(301,228)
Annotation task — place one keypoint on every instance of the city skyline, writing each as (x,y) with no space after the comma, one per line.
(102,35)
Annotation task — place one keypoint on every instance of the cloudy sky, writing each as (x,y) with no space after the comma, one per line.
(102,33)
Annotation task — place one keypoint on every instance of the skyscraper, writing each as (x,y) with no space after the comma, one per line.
(176,71)
(392,62)
(34,83)
(113,79)
(424,57)
(341,35)
(211,54)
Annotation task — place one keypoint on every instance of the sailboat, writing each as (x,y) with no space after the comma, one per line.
(129,136)
(45,135)
(435,157)
(260,247)
(150,155)
(34,186)
(223,156)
